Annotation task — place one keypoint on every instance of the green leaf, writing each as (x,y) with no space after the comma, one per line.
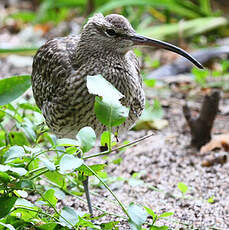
(166,214)
(211,199)
(86,172)
(104,140)
(171,5)
(21,193)
(190,28)
(9,226)
(18,170)
(4,178)
(151,212)
(109,225)
(48,164)
(87,138)
(137,214)
(182,187)
(13,87)
(13,153)
(67,142)
(159,228)
(68,163)
(25,214)
(108,108)
(18,138)
(29,107)
(7,202)
(68,217)
(49,226)
(56,178)
(49,195)
(98,85)
(110,113)
(25,16)
(24,203)
(200,76)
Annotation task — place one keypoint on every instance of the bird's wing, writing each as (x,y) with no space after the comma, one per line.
(52,65)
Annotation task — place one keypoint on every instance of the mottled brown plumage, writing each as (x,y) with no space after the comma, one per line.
(61,66)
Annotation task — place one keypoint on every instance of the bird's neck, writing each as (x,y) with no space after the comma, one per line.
(86,52)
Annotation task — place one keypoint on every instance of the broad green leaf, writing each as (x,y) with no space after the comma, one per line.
(4,177)
(98,85)
(26,184)
(182,187)
(108,108)
(25,214)
(49,195)
(68,217)
(18,170)
(137,214)
(71,150)
(24,203)
(6,204)
(13,153)
(98,167)
(56,178)
(87,138)
(69,162)
(13,87)
(48,164)
(67,142)
(18,138)
(166,214)
(110,113)
(21,193)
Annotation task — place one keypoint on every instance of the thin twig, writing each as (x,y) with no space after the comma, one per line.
(120,147)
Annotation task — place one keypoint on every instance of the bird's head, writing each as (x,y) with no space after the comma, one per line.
(114,33)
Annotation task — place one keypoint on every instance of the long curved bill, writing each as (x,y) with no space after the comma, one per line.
(144,41)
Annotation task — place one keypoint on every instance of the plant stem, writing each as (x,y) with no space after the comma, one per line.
(109,140)
(38,211)
(105,185)
(118,148)
(54,208)
(37,169)
(39,174)
(81,199)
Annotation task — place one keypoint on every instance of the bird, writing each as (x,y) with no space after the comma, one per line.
(61,66)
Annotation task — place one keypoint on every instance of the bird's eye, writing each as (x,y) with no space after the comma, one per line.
(110,32)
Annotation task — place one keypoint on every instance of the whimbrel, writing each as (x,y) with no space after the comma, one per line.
(60,68)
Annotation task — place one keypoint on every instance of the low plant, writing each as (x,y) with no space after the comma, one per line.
(34,163)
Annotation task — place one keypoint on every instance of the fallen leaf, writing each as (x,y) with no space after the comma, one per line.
(151,124)
(219,141)
(215,160)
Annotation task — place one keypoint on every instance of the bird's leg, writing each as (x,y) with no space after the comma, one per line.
(86,189)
